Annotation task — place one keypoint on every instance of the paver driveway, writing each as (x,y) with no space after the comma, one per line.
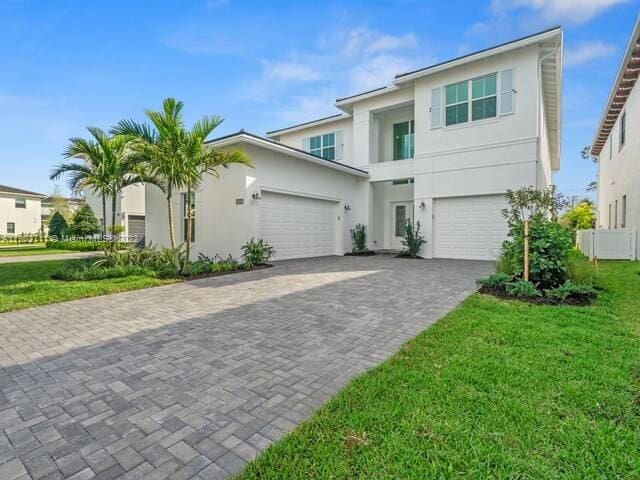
(193,380)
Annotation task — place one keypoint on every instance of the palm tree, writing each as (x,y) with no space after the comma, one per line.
(176,158)
(201,160)
(106,169)
(93,173)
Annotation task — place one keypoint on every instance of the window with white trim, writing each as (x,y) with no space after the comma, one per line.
(623,129)
(323,146)
(484,98)
(21,202)
(623,220)
(11,227)
(457,103)
(610,146)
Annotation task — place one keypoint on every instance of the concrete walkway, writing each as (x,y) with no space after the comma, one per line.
(54,256)
(193,380)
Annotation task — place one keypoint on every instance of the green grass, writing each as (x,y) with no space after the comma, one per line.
(24,285)
(496,389)
(23,251)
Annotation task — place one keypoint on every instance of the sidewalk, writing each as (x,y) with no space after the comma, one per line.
(53,256)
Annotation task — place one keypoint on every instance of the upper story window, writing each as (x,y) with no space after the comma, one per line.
(623,129)
(484,99)
(475,99)
(327,145)
(21,202)
(610,146)
(323,146)
(457,102)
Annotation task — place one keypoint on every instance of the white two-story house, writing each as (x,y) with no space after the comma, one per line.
(440,145)
(617,145)
(20,211)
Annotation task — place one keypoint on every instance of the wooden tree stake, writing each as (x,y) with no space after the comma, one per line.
(526,250)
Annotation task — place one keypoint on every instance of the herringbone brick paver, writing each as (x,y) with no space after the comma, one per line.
(193,380)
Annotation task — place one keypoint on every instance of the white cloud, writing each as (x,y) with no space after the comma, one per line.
(569,11)
(369,42)
(377,71)
(290,71)
(587,51)
(304,84)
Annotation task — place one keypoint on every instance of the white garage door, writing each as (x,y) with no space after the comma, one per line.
(469,227)
(298,227)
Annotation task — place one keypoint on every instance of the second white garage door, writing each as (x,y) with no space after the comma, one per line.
(469,227)
(297,226)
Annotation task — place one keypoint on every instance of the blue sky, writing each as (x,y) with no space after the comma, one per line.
(265,65)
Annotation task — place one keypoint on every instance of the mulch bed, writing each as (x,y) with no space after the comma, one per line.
(496,292)
(417,257)
(368,253)
(219,274)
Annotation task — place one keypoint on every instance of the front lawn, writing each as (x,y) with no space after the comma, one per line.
(24,251)
(496,389)
(29,284)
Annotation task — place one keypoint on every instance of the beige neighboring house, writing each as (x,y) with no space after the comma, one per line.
(130,209)
(617,146)
(20,211)
(52,203)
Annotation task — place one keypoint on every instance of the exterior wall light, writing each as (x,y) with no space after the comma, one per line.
(347,207)
(256,196)
(422,205)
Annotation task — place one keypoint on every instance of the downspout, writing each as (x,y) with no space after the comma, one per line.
(538,114)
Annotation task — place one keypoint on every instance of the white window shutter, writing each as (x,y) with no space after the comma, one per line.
(436,108)
(339,145)
(306,144)
(507,93)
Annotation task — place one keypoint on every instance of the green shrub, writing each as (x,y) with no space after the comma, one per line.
(359,238)
(85,222)
(522,289)
(496,281)
(58,226)
(575,291)
(228,264)
(86,272)
(413,240)
(549,247)
(256,252)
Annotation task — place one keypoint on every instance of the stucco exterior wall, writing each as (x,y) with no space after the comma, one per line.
(619,168)
(27,220)
(130,201)
(227,216)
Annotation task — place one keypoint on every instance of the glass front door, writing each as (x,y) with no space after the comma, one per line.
(403,140)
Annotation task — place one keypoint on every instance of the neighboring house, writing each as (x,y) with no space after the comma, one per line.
(52,204)
(20,211)
(130,209)
(440,145)
(617,145)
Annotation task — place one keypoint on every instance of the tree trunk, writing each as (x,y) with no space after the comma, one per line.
(172,230)
(104,216)
(113,213)
(189,216)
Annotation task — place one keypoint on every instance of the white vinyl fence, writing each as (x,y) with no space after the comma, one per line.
(608,244)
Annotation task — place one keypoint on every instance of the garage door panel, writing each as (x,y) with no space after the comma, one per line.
(469,227)
(297,226)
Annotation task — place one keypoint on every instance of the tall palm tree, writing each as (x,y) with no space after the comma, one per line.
(174,157)
(200,160)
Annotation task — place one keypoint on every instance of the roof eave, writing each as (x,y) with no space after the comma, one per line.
(252,139)
(473,57)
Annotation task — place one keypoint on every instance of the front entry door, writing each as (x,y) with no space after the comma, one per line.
(401,212)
